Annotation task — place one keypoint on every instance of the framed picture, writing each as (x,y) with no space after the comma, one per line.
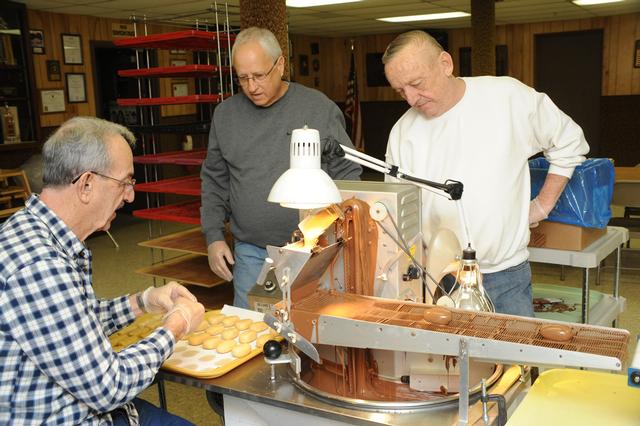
(53,70)
(52,100)
(180,89)
(76,87)
(37,42)
(304,64)
(72,49)
(636,59)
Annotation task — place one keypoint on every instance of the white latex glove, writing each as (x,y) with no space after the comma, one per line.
(536,213)
(162,299)
(184,317)
(219,254)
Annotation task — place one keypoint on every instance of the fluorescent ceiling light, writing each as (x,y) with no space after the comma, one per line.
(311,3)
(594,2)
(429,17)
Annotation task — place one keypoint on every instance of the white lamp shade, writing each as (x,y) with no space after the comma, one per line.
(305,185)
(304,189)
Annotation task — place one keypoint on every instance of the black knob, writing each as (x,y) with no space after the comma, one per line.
(272,349)
(635,378)
(269,285)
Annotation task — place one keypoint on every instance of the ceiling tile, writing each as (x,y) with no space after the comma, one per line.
(346,19)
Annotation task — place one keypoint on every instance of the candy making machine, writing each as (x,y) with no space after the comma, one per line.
(362,336)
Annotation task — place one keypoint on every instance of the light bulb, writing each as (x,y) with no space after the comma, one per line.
(469,295)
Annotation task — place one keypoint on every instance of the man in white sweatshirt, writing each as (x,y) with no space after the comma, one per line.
(480,131)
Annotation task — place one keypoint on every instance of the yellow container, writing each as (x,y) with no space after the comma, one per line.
(577,397)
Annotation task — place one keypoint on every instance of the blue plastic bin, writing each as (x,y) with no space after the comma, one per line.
(586,200)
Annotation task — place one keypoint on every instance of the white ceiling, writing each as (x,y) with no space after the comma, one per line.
(349,19)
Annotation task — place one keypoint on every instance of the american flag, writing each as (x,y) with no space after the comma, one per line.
(352,108)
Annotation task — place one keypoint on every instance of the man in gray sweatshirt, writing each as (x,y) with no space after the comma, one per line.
(249,149)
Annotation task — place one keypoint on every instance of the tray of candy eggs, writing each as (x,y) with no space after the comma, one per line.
(225,339)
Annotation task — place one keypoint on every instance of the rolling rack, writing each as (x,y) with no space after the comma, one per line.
(210,45)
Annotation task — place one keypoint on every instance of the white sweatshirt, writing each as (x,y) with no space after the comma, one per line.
(485,141)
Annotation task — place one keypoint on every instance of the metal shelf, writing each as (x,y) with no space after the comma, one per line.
(191,241)
(170,100)
(187,185)
(190,39)
(181,158)
(191,269)
(195,70)
(187,212)
(189,128)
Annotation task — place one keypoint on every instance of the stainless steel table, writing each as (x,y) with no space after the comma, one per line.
(283,400)
(588,258)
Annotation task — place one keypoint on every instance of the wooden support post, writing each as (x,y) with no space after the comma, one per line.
(269,14)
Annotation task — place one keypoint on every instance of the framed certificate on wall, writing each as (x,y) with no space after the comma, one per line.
(76,87)
(72,49)
(52,100)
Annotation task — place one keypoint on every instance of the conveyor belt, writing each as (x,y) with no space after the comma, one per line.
(587,339)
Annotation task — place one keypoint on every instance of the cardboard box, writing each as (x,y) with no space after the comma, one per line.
(563,237)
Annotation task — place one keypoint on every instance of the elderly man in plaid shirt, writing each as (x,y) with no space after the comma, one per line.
(56,362)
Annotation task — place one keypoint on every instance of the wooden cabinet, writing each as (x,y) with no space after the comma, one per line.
(17,106)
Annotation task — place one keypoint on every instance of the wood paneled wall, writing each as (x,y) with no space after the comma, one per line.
(90,28)
(619,77)
(333,57)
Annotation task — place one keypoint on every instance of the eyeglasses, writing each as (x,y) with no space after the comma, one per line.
(126,183)
(257,78)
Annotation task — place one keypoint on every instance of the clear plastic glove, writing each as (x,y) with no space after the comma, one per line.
(184,317)
(161,299)
(536,213)
(219,255)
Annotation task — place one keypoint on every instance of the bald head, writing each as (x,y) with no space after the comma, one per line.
(416,41)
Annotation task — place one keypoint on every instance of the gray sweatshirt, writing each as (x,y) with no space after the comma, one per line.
(249,149)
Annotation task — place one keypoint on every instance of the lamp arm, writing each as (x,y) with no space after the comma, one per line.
(451,187)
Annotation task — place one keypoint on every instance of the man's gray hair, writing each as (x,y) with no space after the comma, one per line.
(416,38)
(263,36)
(78,146)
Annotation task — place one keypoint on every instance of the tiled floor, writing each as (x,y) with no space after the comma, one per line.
(113,275)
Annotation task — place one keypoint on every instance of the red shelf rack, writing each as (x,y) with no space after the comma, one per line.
(190,39)
(181,158)
(187,212)
(170,100)
(187,185)
(194,70)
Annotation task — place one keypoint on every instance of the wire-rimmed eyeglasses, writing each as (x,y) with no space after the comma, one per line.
(243,80)
(126,183)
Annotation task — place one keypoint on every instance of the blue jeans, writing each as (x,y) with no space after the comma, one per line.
(510,290)
(149,415)
(249,260)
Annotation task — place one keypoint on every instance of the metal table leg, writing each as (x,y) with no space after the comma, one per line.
(463,394)
(616,281)
(162,396)
(585,296)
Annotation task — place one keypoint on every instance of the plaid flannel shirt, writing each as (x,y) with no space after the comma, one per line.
(56,362)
